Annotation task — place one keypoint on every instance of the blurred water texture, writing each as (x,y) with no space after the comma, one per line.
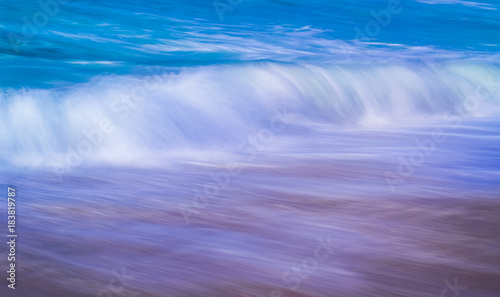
(264,152)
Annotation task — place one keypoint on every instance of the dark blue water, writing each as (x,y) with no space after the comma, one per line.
(252,148)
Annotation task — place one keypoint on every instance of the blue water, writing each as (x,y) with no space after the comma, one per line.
(88,38)
(207,148)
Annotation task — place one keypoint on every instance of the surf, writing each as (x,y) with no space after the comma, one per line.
(213,107)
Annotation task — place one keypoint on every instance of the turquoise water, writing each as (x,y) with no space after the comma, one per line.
(83,39)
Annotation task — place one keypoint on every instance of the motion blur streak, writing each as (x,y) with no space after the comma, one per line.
(276,148)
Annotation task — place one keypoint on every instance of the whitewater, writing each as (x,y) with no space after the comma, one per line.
(214,107)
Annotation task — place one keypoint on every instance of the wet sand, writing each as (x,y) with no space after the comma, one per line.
(304,223)
(250,240)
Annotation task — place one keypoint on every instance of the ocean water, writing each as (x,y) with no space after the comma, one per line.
(252,148)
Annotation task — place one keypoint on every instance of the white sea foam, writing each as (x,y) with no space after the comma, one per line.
(215,108)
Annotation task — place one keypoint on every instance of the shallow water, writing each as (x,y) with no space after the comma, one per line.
(321,221)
